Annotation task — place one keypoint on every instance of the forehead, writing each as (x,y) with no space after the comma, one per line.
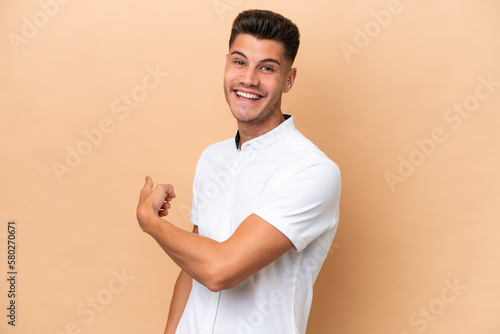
(258,49)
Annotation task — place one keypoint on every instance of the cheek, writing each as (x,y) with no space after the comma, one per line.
(271,86)
(229,78)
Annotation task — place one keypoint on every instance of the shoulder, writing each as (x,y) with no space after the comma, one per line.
(221,146)
(296,165)
(218,150)
(302,154)
(215,157)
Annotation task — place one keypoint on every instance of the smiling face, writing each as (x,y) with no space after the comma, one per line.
(256,74)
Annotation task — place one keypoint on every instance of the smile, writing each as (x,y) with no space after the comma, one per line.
(247,96)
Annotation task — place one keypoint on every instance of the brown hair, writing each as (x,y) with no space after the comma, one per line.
(264,24)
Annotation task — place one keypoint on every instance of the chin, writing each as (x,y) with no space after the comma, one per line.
(251,117)
(242,117)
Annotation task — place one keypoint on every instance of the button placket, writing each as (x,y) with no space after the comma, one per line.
(213,307)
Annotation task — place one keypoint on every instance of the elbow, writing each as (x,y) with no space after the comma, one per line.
(219,277)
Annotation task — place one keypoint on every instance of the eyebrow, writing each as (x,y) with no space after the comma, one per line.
(272,60)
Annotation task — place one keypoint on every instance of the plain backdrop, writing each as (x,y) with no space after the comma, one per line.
(402,95)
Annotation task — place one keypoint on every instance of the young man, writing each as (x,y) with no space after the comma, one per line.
(265,203)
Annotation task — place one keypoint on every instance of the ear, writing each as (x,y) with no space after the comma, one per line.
(290,80)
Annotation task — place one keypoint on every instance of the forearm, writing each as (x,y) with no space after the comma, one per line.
(198,256)
(179,300)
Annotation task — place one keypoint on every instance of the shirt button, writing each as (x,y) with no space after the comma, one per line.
(207,330)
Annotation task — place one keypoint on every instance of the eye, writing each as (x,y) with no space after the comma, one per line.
(267,68)
(239,62)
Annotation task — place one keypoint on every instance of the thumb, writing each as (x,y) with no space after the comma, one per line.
(149,183)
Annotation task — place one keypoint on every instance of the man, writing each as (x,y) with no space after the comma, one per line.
(265,203)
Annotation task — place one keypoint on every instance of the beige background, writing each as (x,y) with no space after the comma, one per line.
(369,99)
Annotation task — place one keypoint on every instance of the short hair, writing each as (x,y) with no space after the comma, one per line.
(265,24)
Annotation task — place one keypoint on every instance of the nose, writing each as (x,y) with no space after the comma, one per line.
(250,77)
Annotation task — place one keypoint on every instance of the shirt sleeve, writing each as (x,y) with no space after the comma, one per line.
(304,205)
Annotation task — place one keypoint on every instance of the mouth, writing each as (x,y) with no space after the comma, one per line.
(247,96)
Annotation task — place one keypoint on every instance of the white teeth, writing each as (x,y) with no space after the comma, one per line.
(247,95)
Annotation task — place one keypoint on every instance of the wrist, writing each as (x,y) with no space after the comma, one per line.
(148,220)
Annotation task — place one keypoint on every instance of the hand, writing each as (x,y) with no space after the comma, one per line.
(153,202)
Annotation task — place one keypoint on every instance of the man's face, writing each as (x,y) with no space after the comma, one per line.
(256,74)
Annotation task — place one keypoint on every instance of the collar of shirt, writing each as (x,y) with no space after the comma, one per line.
(267,138)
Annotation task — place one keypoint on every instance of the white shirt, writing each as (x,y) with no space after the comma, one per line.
(287,181)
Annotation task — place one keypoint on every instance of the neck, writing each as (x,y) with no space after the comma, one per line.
(251,130)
